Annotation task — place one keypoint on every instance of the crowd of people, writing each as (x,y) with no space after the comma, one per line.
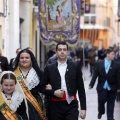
(22,82)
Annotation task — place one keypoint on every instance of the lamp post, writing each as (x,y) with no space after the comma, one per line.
(3,8)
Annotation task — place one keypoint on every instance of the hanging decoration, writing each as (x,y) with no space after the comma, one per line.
(82,7)
(87,6)
(3,8)
(118,8)
(59,20)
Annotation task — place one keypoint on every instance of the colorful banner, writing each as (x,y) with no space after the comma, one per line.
(82,6)
(87,6)
(1,8)
(118,8)
(59,20)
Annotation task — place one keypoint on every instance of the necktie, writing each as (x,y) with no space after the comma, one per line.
(107,66)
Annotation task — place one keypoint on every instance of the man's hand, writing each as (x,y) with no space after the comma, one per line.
(82,114)
(118,90)
(59,93)
(48,87)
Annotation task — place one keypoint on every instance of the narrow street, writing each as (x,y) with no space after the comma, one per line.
(91,95)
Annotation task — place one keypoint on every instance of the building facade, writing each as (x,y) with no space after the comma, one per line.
(20,27)
(2,24)
(98,26)
(116,22)
(16,26)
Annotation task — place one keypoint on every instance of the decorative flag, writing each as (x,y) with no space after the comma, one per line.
(59,20)
(82,6)
(1,7)
(87,6)
(118,8)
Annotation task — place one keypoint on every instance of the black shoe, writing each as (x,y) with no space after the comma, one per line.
(111,119)
(99,116)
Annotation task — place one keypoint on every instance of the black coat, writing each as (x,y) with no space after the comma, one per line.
(101,54)
(113,75)
(4,63)
(11,63)
(73,78)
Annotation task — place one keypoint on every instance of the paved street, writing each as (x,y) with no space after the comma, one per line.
(92,101)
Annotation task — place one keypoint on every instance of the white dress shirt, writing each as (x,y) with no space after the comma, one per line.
(62,70)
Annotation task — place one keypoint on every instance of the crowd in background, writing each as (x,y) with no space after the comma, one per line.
(85,57)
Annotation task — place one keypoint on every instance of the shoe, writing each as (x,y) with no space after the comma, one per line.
(99,116)
(110,119)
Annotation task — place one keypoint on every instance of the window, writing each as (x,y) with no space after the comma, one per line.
(93,19)
(86,20)
(35,2)
(90,19)
(108,22)
(92,9)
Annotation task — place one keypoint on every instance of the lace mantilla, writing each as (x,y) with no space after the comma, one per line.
(32,79)
(16,100)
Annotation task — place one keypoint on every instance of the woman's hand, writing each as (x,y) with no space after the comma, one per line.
(48,87)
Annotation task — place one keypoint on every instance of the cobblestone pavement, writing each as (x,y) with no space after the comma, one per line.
(92,101)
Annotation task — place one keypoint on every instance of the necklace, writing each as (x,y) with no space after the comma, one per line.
(24,76)
(9,101)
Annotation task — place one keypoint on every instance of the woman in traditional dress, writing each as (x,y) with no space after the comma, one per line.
(29,76)
(59,17)
(12,106)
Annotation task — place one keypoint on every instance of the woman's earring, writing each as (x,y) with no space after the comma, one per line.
(31,64)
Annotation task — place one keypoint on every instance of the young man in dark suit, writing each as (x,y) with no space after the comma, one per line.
(65,78)
(4,66)
(108,73)
(13,59)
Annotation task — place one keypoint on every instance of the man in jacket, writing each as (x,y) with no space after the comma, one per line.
(4,66)
(65,78)
(108,73)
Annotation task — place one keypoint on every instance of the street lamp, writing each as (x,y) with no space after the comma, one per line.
(3,8)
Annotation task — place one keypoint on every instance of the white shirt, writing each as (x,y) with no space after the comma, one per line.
(62,70)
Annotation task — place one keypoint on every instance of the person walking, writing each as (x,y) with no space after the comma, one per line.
(108,73)
(118,60)
(13,59)
(12,101)
(65,78)
(29,76)
(4,66)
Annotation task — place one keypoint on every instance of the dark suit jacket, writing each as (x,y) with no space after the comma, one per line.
(73,78)
(4,63)
(101,54)
(113,75)
(11,63)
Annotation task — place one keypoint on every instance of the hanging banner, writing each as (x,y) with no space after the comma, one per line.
(87,6)
(59,20)
(118,8)
(1,7)
(82,7)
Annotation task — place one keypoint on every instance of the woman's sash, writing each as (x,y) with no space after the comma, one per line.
(6,111)
(28,94)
